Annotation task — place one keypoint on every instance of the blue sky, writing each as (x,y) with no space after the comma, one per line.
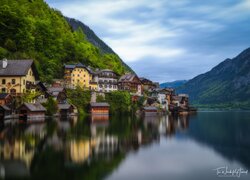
(166,40)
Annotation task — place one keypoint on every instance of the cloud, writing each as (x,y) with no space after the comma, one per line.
(166,40)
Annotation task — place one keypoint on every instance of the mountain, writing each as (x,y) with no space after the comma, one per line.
(226,84)
(31,29)
(93,38)
(173,84)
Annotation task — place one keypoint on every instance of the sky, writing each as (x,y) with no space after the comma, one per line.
(166,40)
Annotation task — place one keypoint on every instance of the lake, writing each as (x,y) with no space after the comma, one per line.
(206,145)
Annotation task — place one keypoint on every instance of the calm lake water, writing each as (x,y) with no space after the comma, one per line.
(185,147)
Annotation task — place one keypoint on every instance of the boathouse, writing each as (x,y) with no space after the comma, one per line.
(4,111)
(31,112)
(99,108)
(65,110)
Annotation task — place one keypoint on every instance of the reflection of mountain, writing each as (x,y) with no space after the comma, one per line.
(225,133)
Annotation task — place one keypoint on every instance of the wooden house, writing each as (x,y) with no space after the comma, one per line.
(65,110)
(99,108)
(5,99)
(147,84)
(31,112)
(58,93)
(131,83)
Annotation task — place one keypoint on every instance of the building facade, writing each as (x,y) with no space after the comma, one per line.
(79,75)
(131,83)
(17,76)
(107,80)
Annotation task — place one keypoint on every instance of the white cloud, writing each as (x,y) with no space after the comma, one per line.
(129,37)
(159,33)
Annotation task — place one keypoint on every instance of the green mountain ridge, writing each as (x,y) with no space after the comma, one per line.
(93,38)
(227,84)
(173,84)
(30,29)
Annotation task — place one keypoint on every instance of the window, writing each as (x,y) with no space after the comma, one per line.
(3,81)
(3,90)
(31,73)
(24,82)
(13,81)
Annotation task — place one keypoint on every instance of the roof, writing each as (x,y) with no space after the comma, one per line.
(17,68)
(37,107)
(128,77)
(101,104)
(56,89)
(79,65)
(6,108)
(177,98)
(3,95)
(64,106)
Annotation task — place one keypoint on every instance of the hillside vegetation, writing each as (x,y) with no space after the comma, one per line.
(31,29)
(226,85)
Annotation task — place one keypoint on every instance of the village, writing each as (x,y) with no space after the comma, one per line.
(24,97)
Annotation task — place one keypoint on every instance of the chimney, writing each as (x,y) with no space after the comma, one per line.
(5,63)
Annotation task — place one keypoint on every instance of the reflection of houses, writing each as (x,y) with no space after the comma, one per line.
(150,111)
(99,108)
(130,82)
(17,76)
(80,150)
(31,112)
(5,111)
(99,117)
(17,158)
(105,145)
(58,93)
(107,80)
(79,75)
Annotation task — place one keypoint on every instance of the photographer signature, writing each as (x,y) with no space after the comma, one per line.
(224,171)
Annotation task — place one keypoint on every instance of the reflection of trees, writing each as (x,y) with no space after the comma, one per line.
(84,149)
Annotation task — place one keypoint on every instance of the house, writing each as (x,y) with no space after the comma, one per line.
(43,92)
(79,75)
(17,76)
(147,84)
(99,108)
(107,80)
(5,99)
(65,110)
(184,101)
(131,83)
(4,111)
(31,112)
(58,93)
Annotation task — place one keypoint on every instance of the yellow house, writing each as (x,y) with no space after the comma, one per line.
(17,76)
(80,75)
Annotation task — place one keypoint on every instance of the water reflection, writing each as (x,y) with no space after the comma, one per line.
(93,147)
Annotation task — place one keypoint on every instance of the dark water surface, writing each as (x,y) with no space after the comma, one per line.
(184,147)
